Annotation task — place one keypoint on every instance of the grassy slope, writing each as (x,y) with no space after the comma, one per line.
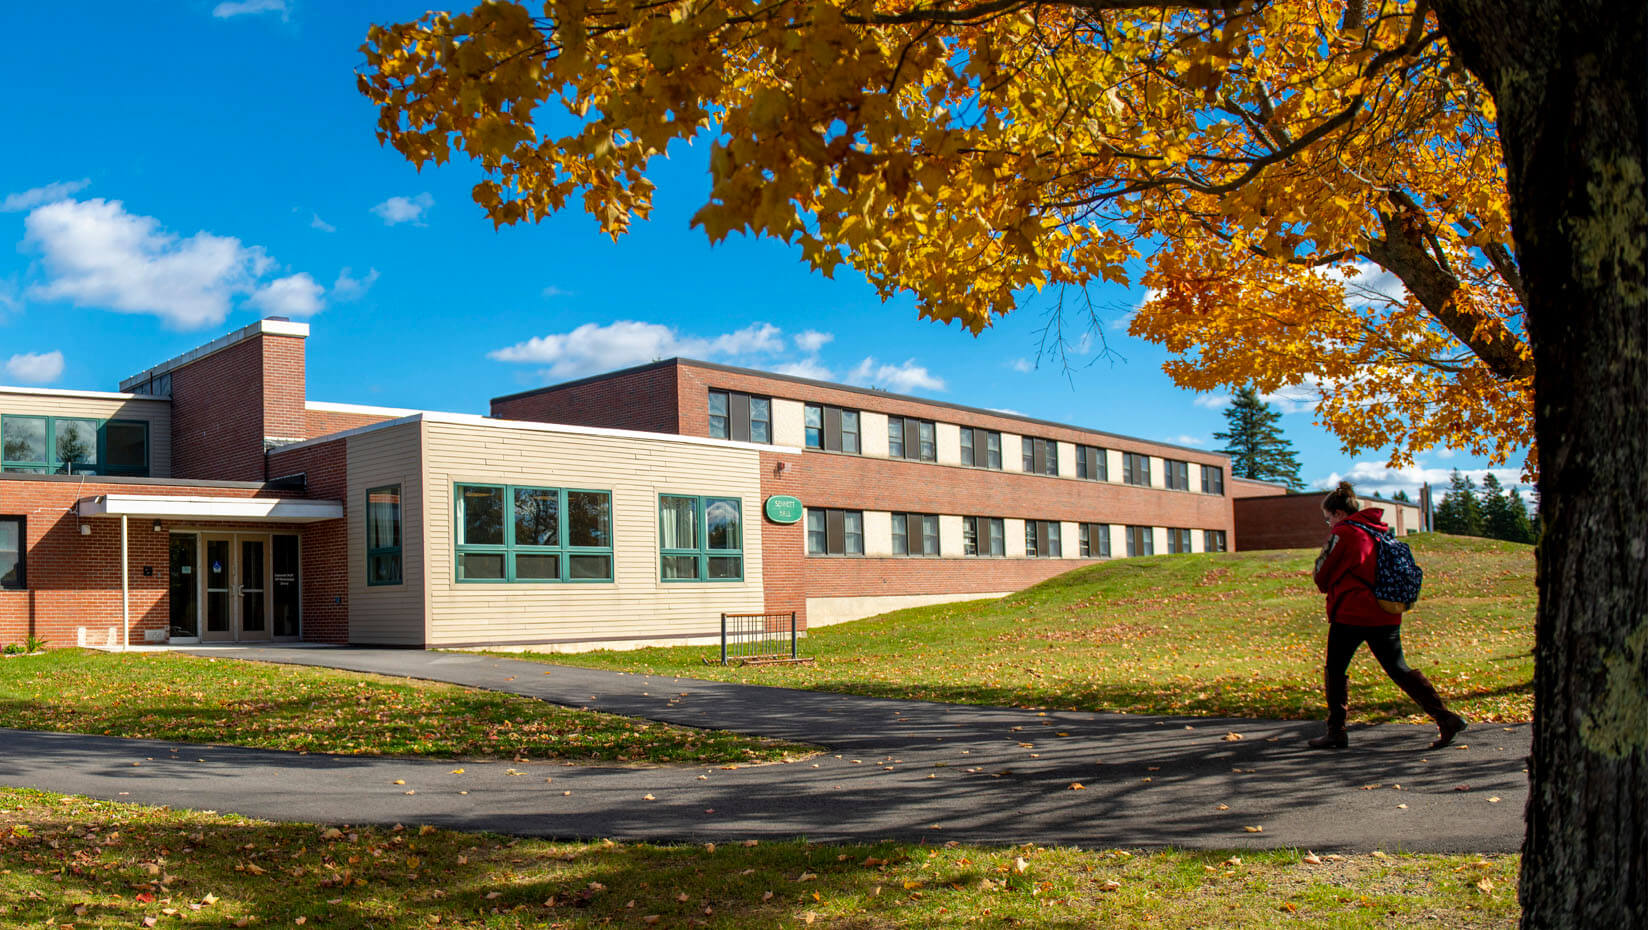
(1237,634)
(75,862)
(192,699)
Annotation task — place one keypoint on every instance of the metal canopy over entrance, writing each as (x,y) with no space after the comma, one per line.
(234,585)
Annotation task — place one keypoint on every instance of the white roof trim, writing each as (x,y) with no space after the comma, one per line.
(281,510)
(94,395)
(260,328)
(328,407)
(471,419)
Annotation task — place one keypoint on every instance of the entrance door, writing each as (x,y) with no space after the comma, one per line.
(219,574)
(237,592)
(253,588)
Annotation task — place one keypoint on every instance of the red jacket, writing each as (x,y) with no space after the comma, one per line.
(1345,573)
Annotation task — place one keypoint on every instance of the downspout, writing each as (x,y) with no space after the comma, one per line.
(125,589)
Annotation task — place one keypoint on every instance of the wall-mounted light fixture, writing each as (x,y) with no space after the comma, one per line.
(85,529)
(783,468)
(156,526)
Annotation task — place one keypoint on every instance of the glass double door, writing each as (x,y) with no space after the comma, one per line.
(234,587)
(237,591)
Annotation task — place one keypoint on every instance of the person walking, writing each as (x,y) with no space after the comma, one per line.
(1345,572)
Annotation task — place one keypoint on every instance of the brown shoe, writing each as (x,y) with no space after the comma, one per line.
(1334,738)
(1449,727)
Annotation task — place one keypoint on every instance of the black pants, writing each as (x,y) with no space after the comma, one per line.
(1385,642)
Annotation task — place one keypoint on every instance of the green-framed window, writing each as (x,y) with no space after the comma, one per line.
(74,445)
(383,535)
(700,538)
(532,535)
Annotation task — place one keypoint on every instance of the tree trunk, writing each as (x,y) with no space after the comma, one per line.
(1570,78)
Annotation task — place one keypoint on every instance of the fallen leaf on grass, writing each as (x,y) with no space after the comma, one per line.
(1111,885)
(1311,859)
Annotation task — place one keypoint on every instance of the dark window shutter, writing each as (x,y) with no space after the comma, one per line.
(1038,457)
(832,429)
(1090,456)
(1092,530)
(738,414)
(981,449)
(835,531)
(912,438)
(1044,546)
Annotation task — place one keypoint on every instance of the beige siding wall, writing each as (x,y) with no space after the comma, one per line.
(636,605)
(158,414)
(789,423)
(388,614)
(872,434)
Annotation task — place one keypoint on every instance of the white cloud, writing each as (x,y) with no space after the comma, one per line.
(293,295)
(1185,439)
(35,367)
(1367,284)
(902,378)
(9,299)
(347,288)
(36,196)
(1295,398)
(1007,410)
(404,209)
(317,223)
(553,291)
(98,255)
(806,368)
(1376,478)
(1022,365)
(812,340)
(1212,401)
(591,348)
(232,8)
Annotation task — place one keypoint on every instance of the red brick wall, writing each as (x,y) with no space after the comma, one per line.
(783,546)
(319,423)
(285,382)
(643,399)
(224,404)
(695,383)
(74,580)
(1293,521)
(325,568)
(1241,487)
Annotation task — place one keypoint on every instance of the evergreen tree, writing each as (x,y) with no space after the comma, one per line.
(1518,527)
(1460,513)
(1255,443)
(1496,509)
(1402,496)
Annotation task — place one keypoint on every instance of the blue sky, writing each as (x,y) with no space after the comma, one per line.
(183,168)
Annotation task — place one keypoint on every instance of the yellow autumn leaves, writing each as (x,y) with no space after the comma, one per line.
(1249,157)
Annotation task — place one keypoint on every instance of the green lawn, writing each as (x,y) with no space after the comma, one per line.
(76,862)
(1229,634)
(204,700)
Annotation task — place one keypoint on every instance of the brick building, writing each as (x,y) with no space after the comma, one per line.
(211,500)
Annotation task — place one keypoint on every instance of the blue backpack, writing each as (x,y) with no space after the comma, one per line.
(1397,577)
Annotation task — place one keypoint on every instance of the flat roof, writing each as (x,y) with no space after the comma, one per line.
(868,392)
(92,395)
(273,326)
(532,426)
(261,510)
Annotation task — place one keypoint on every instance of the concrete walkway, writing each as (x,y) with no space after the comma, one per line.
(895,769)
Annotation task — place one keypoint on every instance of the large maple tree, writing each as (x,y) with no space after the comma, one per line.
(1264,162)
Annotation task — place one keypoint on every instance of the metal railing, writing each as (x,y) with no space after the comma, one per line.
(752,639)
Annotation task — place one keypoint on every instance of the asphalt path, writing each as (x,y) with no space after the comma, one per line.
(892,769)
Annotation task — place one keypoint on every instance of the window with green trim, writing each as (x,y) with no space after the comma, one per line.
(700,538)
(383,535)
(74,446)
(534,535)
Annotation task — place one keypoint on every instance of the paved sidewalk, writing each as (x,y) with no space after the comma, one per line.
(904,770)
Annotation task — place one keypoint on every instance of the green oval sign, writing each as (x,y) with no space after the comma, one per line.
(783,509)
